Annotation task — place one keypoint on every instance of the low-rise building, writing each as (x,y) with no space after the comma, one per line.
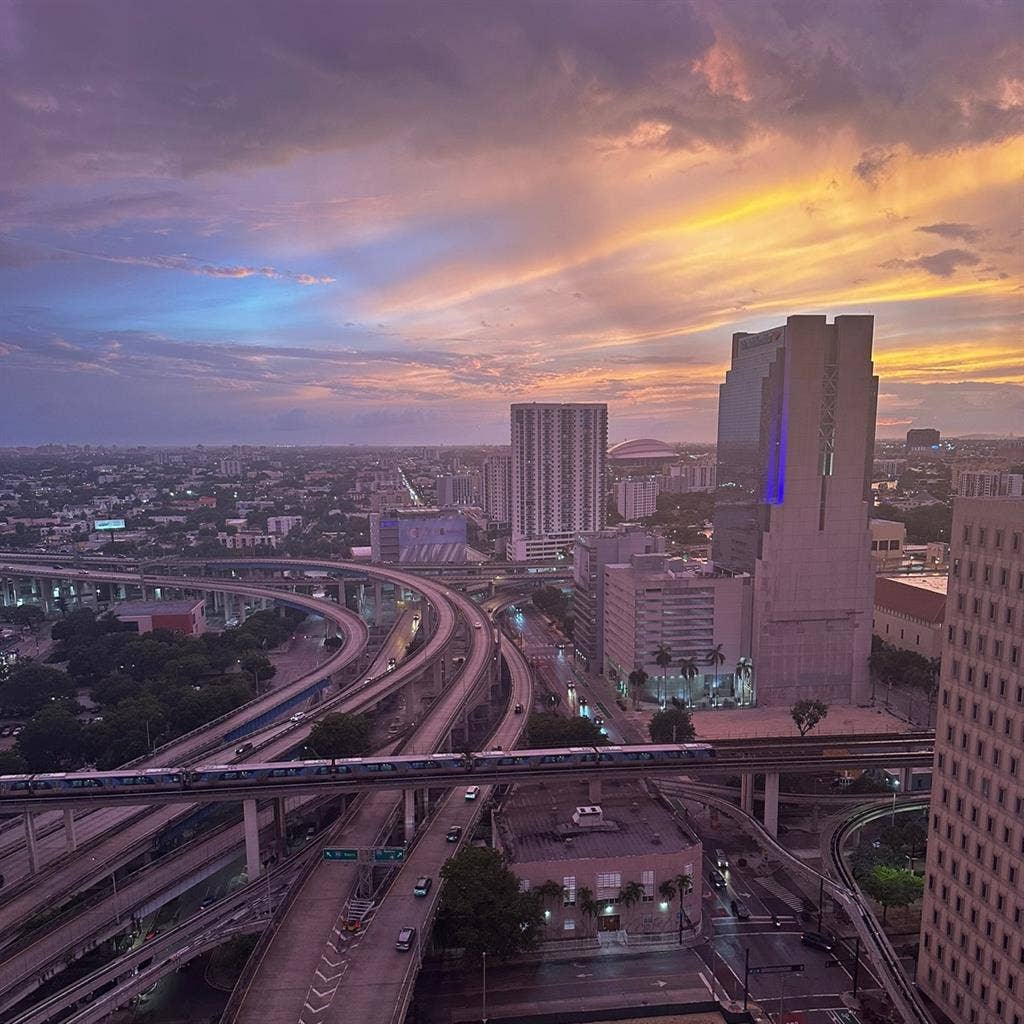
(186,617)
(888,538)
(618,860)
(909,613)
(420,536)
(249,540)
(283,525)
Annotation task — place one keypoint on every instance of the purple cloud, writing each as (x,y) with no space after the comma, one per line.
(941,264)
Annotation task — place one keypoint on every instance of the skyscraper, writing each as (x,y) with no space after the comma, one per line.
(559,458)
(455,489)
(971,959)
(796,427)
(496,485)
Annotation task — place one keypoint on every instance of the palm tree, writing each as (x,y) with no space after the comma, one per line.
(550,890)
(631,894)
(589,907)
(689,671)
(744,668)
(663,658)
(637,681)
(716,659)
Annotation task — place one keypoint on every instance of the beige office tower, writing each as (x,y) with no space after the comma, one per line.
(796,431)
(971,960)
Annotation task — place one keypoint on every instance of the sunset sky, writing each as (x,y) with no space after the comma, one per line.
(303,222)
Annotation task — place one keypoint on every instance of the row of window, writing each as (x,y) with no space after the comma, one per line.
(1000,649)
(972,676)
(977,604)
(965,1006)
(984,537)
(989,574)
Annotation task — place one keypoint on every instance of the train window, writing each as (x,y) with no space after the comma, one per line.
(379,766)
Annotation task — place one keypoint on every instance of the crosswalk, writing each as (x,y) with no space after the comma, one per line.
(779,891)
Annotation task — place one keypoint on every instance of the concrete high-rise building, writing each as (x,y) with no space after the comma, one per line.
(590,555)
(971,959)
(496,481)
(690,475)
(454,489)
(921,439)
(636,497)
(796,428)
(230,468)
(559,465)
(987,483)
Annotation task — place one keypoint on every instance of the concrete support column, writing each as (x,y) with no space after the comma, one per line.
(280,820)
(410,813)
(252,839)
(30,842)
(594,791)
(70,836)
(906,780)
(771,802)
(378,601)
(747,792)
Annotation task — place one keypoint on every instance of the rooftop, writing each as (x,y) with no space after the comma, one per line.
(642,448)
(536,823)
(908,599)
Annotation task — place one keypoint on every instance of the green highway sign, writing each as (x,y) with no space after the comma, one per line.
(389,853)
(335,853)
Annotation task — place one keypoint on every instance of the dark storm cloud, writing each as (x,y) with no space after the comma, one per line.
(941,264)
(94,87)
(872,164)
(962,232)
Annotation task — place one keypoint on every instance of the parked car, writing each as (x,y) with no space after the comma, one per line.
(406,937)
(818,941)
(422,886)
(717,879)
(454,834)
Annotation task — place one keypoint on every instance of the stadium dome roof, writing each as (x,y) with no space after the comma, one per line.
(641,448)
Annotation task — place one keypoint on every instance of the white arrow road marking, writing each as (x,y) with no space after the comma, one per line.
(660,983)
(323,995)
(314,1009)
(584,975)
(331,963)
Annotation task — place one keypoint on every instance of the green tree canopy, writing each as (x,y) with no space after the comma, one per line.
(31,685)
(12,763)
(30,615)
(482,909)
(671,725)
(52,740)
(892,887)
(337,736)
(258,665)
(807,714)
(550,730)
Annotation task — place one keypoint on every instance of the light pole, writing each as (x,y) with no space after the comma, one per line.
(483,997)
(895,789)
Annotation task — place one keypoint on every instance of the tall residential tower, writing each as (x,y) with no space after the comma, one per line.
(559,459)
(796,429)
(971,959)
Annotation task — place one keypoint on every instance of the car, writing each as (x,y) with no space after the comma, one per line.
(740,910)
(6,731)
(243,749)
(16,731)
(518,709)
(472,792)
(717,879)
(406,937)
(721,860)
(298,716)
(818,941)
(391,664)
(454,833)
(422,886)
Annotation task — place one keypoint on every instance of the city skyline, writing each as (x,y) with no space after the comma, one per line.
(311,230)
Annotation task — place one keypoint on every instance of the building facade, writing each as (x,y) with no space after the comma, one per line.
(920,439)
(418,536)
(496,485)
(591,553)
(185,617)
(987,483)
(691,475)
(796,429)
(691,609)
(637,497)
(454,489)
(559,469)
(283,525)
(909,615)
(971,960)
(888,538)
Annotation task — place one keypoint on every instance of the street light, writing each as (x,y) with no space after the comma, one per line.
(483,997)
(895,789)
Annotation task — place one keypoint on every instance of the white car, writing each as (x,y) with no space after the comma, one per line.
(298,716)
(472,792)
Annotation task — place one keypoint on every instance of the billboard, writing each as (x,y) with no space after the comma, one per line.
(432,530)
(109,524)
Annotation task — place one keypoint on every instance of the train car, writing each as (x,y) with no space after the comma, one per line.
(666,754)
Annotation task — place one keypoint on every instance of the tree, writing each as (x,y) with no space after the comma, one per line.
(31,685)
(339,736)
(631,894)
(637,681)
(550,730)
(12,763)
(482,909)
(689,671)
(716,659)
(892,887)
(744,670)
(671,725)
(663,658)
(30,615)
(52,740)
(807,714)
(680,885)
(589,907)
(258,666)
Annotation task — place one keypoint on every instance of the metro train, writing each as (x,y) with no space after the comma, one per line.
(159,780)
